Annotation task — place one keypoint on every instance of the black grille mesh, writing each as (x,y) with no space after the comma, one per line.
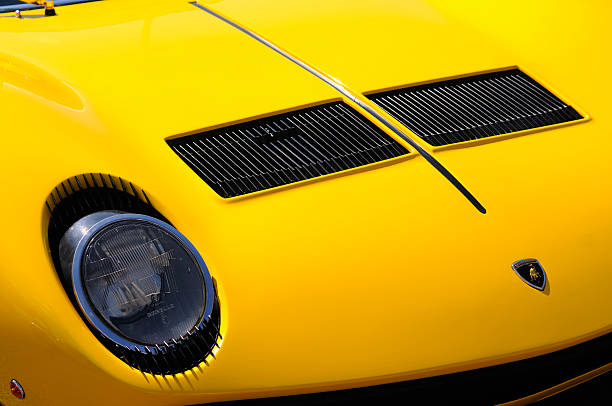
(285,148)
(475,107)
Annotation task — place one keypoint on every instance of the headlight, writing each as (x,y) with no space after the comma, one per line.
(138,281)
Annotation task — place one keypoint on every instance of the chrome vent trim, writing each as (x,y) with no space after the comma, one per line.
(475,107)
(285,148)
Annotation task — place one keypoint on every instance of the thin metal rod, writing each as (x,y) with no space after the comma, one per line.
(340,88)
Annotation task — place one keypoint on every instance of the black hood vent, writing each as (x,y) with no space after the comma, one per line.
(286,148)
(474,107)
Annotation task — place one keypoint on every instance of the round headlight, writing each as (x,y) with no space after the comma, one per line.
(139,282)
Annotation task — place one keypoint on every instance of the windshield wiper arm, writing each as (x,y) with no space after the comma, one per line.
(47,4)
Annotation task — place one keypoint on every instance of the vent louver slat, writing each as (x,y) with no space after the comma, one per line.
(475,107)
(286,148)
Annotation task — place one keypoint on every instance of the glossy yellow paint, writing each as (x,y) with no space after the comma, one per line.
(372,275)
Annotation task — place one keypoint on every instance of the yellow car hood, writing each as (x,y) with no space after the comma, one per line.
(371,275)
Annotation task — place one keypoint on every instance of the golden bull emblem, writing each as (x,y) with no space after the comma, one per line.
(534,275)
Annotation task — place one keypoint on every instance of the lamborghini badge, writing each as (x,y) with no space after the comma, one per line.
(531,272)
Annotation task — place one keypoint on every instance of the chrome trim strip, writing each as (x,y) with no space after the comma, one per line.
(336,85)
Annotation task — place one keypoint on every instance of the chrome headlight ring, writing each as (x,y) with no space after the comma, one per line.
(164,356)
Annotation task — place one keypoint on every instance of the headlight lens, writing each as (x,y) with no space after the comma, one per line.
(143,281)
(136,278)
